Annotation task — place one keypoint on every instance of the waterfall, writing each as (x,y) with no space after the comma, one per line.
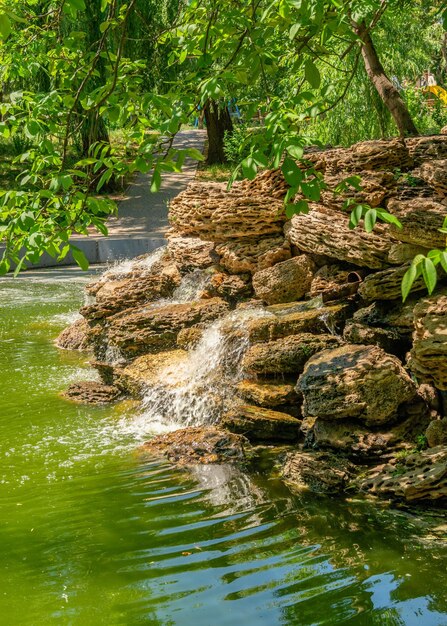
(202,386)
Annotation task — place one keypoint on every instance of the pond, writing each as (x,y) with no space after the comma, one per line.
(93,533)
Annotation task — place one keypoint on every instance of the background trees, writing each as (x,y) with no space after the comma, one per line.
(75,74)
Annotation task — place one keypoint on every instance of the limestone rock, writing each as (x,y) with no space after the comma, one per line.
(292,319)
(268,394)
(387,285)
(321,472)
(284,282)
(74,337)
(118,295)
(388,339)
(251,255)
(151,370)
(92,392)
(368,155)
(324,231)
(436,433)
(424,148)
(190,253)
(355,382)
(189,337)
(260,424)
(360,442)
(213,213)
(153,328)
(401,253)
(420,476)
(287,355)
(199,445)
(231,287)
(332,282)
(421,219)
(428,357)
(435,174)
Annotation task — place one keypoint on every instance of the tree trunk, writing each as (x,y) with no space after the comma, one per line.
(386,89)
(218,121)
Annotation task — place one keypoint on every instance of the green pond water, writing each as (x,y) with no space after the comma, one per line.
(92,533)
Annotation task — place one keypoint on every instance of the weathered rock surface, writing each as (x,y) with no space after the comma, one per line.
(229,286)
(151,370)
(428,357)
(284,282)
(360,442)
(435,174)
(422,149)
(420,476)
(288,355)
(436,433)
(321,472)
(332,282)
(213,213)
(127,293)
(189,337)
(355,382)
(199,445)
(421,219)
(92,392)
(155,328)
(190,253)
(293,319)
(387,285)
(74,337)
(252,255)
(389,339)
(366,155)
(324,231)
(260,424)
(268,394)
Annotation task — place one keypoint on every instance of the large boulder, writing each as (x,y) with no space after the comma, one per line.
(436,433)
(332,282)
(74,337)
(151,370)
(321,472)
(267,393)
(428,357)
(355,382)
(288,355)
(190,253)
(231,287)
(154,328)
(387,285)
(325,231)
(421,219)
(435,174)
(261,424)
(251,255)
(419,476)
(214,213)
(284,282)
(198,446)
(92,392)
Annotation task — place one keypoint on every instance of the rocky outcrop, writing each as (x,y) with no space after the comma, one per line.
(321,472)
(92,392)
(190,253)
(74,337)
(213,213)
(434,173)
(355,382)
(268,394)
(253,254)
(324,231)
(260,424)
(200,445)
(387,285)
(284,282)
(436,433)
(332,282)
(286,356)
(153,328)
(421,219)
(229,286)
(151,370)
(428,357)
(419,476)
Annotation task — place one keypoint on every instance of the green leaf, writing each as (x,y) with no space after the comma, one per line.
(356,216)
(429,274)
(292,172)
(5,26)
(156,181)
(408,280)
(443,260)
(249,168)
(370,220)
(312,74)
(295,151)
(79,257)
(297,207)
(311,189)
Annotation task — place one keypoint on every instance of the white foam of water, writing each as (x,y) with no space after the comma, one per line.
(201,387)
(121,269)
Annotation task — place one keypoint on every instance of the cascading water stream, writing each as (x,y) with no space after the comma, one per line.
(202,386)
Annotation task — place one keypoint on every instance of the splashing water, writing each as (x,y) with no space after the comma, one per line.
(123,269)
(199,389)
(191,286)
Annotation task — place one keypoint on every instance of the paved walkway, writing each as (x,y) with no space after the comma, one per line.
(142,219)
